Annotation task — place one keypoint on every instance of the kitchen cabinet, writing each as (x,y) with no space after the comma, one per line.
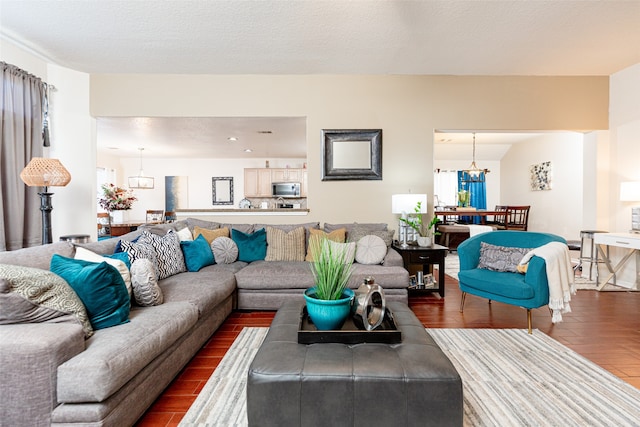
(303,186)
(257,182)
(286,175)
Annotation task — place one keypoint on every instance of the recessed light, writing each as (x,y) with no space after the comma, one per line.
(248,150)
(232,139)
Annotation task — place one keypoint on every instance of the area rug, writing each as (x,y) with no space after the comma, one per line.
(509,378)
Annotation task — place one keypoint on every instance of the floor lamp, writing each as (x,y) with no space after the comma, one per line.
(43,172)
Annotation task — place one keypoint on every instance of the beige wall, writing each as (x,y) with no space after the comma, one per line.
(407,108)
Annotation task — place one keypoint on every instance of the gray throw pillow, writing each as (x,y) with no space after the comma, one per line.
(32,295)
(358,232)
(225,250)
(144,281)
(500,258)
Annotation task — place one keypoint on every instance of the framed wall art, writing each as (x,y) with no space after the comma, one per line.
(351,154)
(222,190)
(541,176)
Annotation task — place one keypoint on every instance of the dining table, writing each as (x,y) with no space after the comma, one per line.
(482,213)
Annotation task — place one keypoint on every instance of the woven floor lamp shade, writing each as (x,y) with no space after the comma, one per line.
(43,172)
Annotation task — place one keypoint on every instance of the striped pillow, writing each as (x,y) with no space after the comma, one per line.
(285,246)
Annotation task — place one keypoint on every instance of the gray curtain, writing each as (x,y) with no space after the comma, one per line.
(22,98)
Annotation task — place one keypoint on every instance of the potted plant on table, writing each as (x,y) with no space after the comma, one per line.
(425,231)
(329,301)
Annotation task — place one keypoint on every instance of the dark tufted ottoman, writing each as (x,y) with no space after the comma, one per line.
(408,384)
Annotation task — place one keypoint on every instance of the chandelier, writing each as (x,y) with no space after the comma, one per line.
(473,173)
(140,181)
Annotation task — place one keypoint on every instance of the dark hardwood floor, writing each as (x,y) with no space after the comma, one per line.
(604,327)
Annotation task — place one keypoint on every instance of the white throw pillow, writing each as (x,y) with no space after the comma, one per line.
(371,250)
(349,250)
(185,235)
(87,255)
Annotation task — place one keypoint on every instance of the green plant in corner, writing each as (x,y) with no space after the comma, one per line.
(332,268)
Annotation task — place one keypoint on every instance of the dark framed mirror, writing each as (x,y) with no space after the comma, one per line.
(351,154)
(222,190)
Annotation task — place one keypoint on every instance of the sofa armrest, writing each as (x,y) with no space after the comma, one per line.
(29,358)
(393,259)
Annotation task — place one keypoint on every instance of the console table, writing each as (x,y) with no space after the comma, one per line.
(417,258)
(629,241)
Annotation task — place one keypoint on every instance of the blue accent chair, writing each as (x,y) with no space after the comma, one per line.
(530,290)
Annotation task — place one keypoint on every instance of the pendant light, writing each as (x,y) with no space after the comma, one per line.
(140,181)
(473,173)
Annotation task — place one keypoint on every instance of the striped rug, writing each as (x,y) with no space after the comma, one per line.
(510,378)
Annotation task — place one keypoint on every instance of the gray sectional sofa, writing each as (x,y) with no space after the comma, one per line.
(52,375)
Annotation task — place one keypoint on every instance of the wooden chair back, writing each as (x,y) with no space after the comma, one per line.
(517,218)
(104,224)
(170,216)
(154,216)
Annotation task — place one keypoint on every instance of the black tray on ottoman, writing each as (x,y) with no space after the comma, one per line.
(387,332)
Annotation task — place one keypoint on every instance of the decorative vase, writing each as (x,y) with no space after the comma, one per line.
(424,241)
(117,217)
(328,314)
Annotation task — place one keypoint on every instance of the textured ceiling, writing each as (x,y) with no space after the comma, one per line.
(329,37)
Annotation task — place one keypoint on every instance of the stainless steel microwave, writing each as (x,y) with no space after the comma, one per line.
(285,189)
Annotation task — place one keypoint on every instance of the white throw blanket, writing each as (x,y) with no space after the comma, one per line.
(559,276)
(474,229)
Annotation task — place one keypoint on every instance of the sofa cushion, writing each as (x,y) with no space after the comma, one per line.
(168,252)
(285,246)
(37,256)
(32,295)
(360,231)
(500,258)
(371,250)
(115,355)
(506,284)
(367,228)
(185,234)
(99,286)
(145,283)
(205,289)
(210,235)
(289,227)
(225,250)
(267,275)
(251,247)
(197,253)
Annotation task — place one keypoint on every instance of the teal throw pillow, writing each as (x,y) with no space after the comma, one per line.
(100,288)
(122,256)
(251,247)
(197,253)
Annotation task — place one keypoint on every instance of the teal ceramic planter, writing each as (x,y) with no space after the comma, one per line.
(328,314)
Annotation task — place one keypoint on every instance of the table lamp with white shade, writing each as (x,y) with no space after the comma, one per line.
(405,205)
(630,192)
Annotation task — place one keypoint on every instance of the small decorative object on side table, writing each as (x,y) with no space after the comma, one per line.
(417,258)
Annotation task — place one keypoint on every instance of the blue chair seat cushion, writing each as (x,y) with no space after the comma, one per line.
(504,284)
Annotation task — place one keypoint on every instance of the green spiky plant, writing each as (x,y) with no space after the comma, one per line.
(331,269)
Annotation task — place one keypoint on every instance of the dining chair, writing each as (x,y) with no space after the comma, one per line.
(170,216)
(499,220)
(517,218)
(104,224)
(154,216)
